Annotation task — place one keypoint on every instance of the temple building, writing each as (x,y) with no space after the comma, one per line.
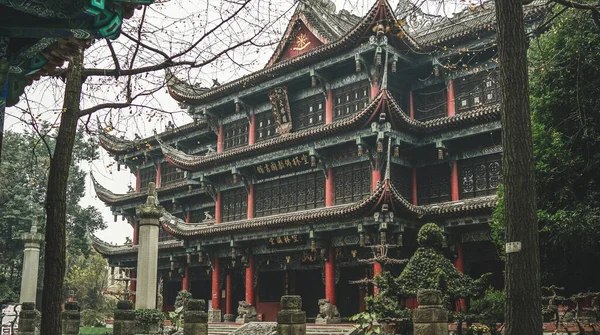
(296,178)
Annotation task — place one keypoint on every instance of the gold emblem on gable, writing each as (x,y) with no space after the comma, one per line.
(302,42)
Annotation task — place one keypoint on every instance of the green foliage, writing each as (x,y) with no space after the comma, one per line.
(182,299)
(92,318)
(94,331)
(88,278)
(146,318)
(489,309)
(430,236)
(497,226)
(367,323)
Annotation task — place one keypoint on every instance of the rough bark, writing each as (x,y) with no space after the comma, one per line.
(522,272)
(56,202)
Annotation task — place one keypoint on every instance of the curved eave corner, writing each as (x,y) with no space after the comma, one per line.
(105,194)
(181,90)
(106,249)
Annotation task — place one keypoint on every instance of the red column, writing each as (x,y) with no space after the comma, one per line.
(459,264)
(218,208)
(411,101)
(376,271)
(188,216)
(158,180)
(138,181)
(185,285)
(220,139)
(216,294)
(375,175)
(135,232)
(414,186)
(330,278)
(374,88)
(450,96)
(250,201)
(329,107)
(329,188)
(454,181)
(228,295)
(132,286)
(250,282)
(252,130)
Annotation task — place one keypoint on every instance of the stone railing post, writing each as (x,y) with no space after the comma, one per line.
(195,319)
(27,319)
(31,261)
(71,318)
(291,320)
(124,323)
(147,264)
(430,318)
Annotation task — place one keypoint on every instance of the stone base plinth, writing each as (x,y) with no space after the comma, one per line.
(431,328)
(228,318)
(327,321)
(195,329)
(293,329)
(214,315)
(246,319)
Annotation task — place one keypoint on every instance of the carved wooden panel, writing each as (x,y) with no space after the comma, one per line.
(401,177)
(169,174)
(430,102)
(308,112)
(296,193)
(349,99)
(433,184)
(476,90)
(234,204)
(351,182)
(479,176)
(235,134)
(147,175)
(265,126)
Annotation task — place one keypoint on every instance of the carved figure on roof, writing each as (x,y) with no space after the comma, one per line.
(328,313)
(208,216)
(246,313)
(210,149)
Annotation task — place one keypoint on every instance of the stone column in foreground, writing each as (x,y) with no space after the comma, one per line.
(147,264)
(31,262)
(27,319)
(291,320)
(430,318)
(195,319)
(71,318)
(124,323)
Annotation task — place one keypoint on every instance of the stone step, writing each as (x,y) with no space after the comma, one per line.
(222,328)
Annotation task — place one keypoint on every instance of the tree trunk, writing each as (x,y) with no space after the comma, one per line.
(56,201)
(522,273)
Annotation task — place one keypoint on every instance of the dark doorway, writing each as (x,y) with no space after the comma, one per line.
(348,295)
(201,289)
(309,285)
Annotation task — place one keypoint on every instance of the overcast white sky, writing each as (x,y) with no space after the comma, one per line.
(44,97)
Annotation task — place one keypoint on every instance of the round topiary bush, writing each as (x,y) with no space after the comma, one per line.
(430,236)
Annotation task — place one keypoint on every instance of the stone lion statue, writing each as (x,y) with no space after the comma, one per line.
(328,313)
(246,313)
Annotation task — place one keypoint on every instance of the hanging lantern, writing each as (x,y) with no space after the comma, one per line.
(394,66)
(361,150)
(361,239)
(378,56)
(313,161)
(200,257)
(313,245)
(440,154)
(382,237)
(357,61)
(189,258)
(238,107)
(379,146)
(399,241)
(313,81)
(396,151)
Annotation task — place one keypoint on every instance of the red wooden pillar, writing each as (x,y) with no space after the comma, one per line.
(136,227)
(228,295)
(454,182)
(330,278)
(218,208)
(250,282)
(138,181)
(220,139)
(216,294)
(411,107)
(252,130)
(374,88)
(414,187)
(250,201)
(375,175)
(459,264)
(376,271)
(132,286)
(185,285)
(158,177)
(329,188)
(188,216)
(450,96)
(329,107)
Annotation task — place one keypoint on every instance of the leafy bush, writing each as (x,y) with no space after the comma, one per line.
(489,309)
(182,299)
(145,318)
(92,318)
(94,331)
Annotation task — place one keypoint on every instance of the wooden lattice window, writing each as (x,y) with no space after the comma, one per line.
(308,112)
(235,134)
(147,175)
(476,90)
(351,182)
(296,193)
(401,177)
(169,174)
(479,176)
(349,99)
(265,126)
(430,102)
(234,204)
(433,184)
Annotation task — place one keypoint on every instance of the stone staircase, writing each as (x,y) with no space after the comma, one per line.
(337,329)
(221,328)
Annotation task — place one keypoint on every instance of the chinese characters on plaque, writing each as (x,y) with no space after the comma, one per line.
(285,240)
(288,164)
(281,109)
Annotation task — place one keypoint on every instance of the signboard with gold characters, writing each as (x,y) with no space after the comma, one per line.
(285,240)
(289,164)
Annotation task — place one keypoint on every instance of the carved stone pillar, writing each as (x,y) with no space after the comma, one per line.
(27,319)
(71,319)
(291,320)
(430,318)
(124,323)
(195,319)
(31,262)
